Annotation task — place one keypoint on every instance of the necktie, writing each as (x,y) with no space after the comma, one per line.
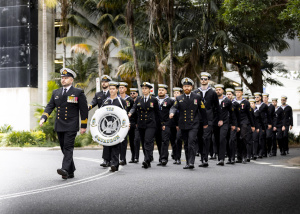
(145,100)
(65,91)
(188,97)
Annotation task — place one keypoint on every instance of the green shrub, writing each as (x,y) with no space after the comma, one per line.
(2,135)
(24,138)
(6,128)
(83,140)
(294,139)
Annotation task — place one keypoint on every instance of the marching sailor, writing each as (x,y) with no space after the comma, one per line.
(98,100)
(191,111)
(148,113)
(113,152)
(288,123)
(129,103)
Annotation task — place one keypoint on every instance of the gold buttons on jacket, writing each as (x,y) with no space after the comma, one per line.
(66,107)
(58,118)
(65,118)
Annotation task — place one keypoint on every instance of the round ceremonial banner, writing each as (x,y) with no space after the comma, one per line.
(109,125)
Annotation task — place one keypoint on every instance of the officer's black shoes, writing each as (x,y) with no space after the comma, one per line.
(248,159)
(228,162)
(220,163)
(136,160)
(64,174)
(191,166)
(233,162)
(131,161)
(254,157)
(197,154)
(71,175)
(244,161)
(146,165)
(186,166)
(178,162)
(260,157)
(175,162)
(265,155)
(164,162)
(159,164)
(283,153)
(104,163)
(239,161)
(122,162)
(204,164)
(113,168)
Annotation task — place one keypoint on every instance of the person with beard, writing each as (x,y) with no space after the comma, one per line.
(259,127)
(244,120)
(147,110)
(134,132)
(269,130)
(231,134)
(69,102)
(129,103)
(278,127)
(263,110)
(229,122)
(113,152)
(191,111)
(165,103)
(288,123)
(177,148)
(211,102)
(98,100)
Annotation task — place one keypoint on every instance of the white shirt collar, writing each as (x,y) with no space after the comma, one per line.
(66,88)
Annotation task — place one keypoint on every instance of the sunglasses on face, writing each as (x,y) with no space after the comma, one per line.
(132,92)
(204,79)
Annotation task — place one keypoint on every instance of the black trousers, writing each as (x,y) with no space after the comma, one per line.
(231,144)
(158,139)
(190,138)
(269,135)
(255,137)
(165,143)
(147,136)
(215,140)
(173,133)
(112,154)
(204,139)
(285,140)
(274,144)
(137,144)
(279,137)
(123,149)
(243,142)
(131,136)
(262,142)
(220,134)
(66,141)
(178,146)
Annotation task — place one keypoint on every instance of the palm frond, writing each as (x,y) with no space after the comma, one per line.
(82,48)
(71,40)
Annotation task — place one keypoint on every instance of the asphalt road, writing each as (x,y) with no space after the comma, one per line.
(29,184)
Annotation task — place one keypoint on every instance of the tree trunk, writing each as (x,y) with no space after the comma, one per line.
(170,24)
(130,22)
(45,54)
(64,55)
(257,85)
(220,71)
(206,40)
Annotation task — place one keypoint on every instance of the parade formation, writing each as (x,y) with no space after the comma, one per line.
(213,123)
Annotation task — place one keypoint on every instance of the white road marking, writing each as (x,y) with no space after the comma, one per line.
(60,186)
(261,162)
(291,167)
(278,165)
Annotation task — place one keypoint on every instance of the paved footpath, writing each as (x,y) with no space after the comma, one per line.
(29,184)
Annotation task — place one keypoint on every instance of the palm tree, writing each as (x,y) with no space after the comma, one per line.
(130,23)
(95,23)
